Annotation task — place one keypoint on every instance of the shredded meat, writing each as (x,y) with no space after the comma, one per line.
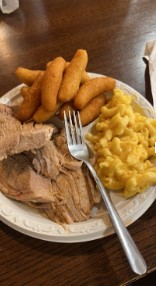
(16,138)
(74,188)
(20,182)
(41,172)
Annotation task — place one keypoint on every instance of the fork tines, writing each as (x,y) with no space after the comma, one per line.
(73,126)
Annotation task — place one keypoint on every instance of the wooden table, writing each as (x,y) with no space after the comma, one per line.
(114,33)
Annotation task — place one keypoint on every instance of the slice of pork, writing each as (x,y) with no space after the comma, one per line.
(62,186)
(65,200)
(72,203)
(16,137)
(74,188)
(49,161)
(20,182)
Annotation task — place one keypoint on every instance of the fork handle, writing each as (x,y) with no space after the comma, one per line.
(132,253)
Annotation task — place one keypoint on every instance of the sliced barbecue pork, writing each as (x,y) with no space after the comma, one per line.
(49,161)
(16,138)
(44,174)
(66,199)
(74,188)
(72,201)
(20,182)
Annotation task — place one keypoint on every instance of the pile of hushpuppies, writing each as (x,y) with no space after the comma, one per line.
(63,86)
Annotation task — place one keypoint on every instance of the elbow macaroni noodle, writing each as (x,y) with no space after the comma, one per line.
(124,142)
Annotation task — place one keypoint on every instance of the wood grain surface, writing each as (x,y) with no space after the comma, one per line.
(114,34)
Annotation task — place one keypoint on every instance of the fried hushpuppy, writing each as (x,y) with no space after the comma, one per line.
(91,89)
(73,75)
(27,76)
(31,101)
(51,83)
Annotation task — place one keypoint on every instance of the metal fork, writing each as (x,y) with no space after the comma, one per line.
(79,150)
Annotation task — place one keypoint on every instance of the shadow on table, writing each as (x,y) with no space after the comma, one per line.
(93,257)
(150,280)
(72,249)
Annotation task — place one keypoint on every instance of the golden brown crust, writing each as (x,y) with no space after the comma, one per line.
(92,110)
(31,100)
(27,76)
(64,86)
(85,77)
(24,90)
(51,83)
(42,116)
(72,77)
(91,89)
(67,106)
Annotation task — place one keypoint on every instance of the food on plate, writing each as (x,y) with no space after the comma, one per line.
(92,110)
(85,76)
(42,116)
(16,137)
(27,76)
(51,83)
(87,114)
(63,86)
(124,144)
(24,91)
(32,100)
(20,182)
(92,88)
(66,107)
(48,177)
(73,187)
(72,77)
(35,165)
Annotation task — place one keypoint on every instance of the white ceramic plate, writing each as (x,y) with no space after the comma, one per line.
(32,222)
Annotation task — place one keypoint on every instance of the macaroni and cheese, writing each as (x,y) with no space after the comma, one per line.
(124,143)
